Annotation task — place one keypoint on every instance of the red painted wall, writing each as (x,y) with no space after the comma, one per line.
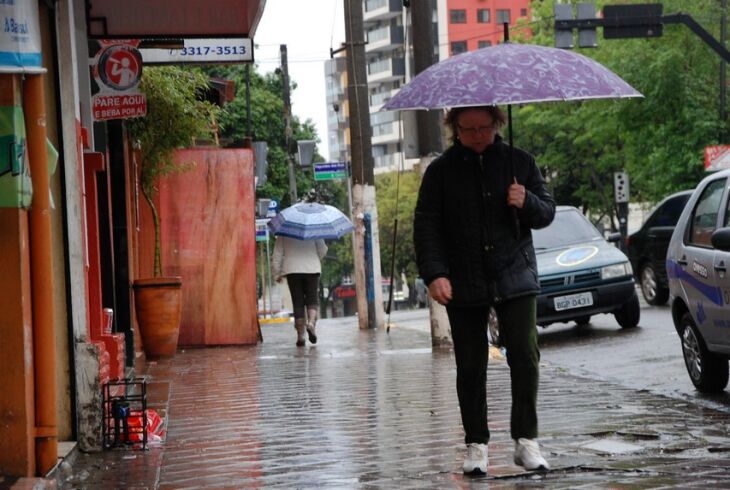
(472,31)
(208,236)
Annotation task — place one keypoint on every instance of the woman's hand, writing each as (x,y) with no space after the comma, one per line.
(440,290)
(516,195)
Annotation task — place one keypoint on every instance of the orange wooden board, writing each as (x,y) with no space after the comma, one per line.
(207,216)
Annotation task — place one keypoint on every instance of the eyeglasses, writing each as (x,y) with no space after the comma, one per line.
(476,130)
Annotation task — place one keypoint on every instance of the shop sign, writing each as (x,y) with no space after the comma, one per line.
(20,39)
(224,50)
(117,70)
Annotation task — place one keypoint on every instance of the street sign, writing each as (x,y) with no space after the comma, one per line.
(717,157)
(273,208)
(330,171)
(262,230)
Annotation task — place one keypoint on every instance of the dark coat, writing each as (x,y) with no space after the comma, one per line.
(464,230)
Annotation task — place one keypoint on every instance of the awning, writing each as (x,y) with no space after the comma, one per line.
(149,19)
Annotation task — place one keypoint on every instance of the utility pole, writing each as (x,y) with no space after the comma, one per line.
(428,122)
(366,243)
(429,141)
(287,121)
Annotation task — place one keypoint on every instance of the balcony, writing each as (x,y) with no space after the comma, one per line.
(386,38)
(376,100)
(387,70)
(386,133)
(381,10)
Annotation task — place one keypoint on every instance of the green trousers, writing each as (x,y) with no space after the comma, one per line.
(517,319)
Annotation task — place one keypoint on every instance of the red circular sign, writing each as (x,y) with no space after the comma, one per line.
(120,67)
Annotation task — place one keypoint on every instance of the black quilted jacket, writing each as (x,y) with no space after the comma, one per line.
(464,230)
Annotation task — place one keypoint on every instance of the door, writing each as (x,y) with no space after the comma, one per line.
(704,297)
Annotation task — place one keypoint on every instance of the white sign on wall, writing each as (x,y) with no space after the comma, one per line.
(20,39)
(202,51)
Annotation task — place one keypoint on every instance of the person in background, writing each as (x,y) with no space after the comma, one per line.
(299,262)
(476,206)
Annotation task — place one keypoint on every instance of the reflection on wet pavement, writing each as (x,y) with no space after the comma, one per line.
(366,409)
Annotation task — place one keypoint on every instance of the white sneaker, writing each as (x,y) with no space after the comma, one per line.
(475,462)
(527,455)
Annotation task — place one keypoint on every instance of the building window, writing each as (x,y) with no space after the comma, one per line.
(458,47)
(503,17)
(523,12)
(484,44)
(483,16)
(457,16)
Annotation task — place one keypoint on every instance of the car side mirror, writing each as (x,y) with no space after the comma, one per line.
(720,239)
(614,237)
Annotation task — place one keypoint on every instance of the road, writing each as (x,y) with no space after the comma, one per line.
(648,357)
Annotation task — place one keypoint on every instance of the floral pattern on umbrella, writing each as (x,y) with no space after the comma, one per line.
(510,74)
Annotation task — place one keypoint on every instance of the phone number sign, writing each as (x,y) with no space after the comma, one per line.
(232,50)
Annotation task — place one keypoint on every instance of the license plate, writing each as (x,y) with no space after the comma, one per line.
(573,301)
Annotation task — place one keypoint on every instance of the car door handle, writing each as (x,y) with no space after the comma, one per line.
(721,266)
(683,260)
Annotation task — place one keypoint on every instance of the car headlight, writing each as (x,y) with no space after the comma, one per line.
(616,270)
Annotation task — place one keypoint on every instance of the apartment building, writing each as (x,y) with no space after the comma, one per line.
(459,26)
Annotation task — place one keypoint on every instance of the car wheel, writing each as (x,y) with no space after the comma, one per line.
(653,293)
(493,328)
(583,320)
(708,372)
(628,315)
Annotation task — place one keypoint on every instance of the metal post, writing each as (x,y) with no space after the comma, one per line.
(268,265)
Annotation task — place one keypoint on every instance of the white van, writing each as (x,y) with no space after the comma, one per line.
(698,268)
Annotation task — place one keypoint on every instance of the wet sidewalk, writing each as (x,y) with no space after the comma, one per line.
(368,409)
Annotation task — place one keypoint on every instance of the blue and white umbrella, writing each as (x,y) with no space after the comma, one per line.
(311,221)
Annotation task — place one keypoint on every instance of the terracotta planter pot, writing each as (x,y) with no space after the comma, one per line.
(158,306)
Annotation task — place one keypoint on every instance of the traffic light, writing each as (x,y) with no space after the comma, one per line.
(631,21)
(585,23)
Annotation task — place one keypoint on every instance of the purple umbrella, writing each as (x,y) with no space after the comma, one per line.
(510,74)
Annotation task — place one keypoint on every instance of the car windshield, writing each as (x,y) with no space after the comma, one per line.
(568,227)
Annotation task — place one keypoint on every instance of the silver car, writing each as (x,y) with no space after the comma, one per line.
(698,263)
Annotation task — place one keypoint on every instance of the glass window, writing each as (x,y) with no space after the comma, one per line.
(458,47)
(568,227)
(503,16)
(483,16)
(484,44)
(523,12)
(703,220)
(457,16)
(668,213)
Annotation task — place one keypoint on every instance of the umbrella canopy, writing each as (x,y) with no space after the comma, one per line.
(510,74)
(311,221)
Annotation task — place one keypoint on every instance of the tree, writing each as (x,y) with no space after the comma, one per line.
(386,188)
(659,140)
(174,117)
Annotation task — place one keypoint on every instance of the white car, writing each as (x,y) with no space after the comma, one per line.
(698,268)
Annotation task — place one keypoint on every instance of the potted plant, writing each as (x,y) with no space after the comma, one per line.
(175,116)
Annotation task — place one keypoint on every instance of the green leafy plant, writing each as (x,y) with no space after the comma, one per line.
(174,117)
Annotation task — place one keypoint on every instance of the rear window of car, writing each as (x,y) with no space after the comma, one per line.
(568,227)
(668,213)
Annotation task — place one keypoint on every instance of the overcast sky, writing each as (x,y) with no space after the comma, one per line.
(309,28)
